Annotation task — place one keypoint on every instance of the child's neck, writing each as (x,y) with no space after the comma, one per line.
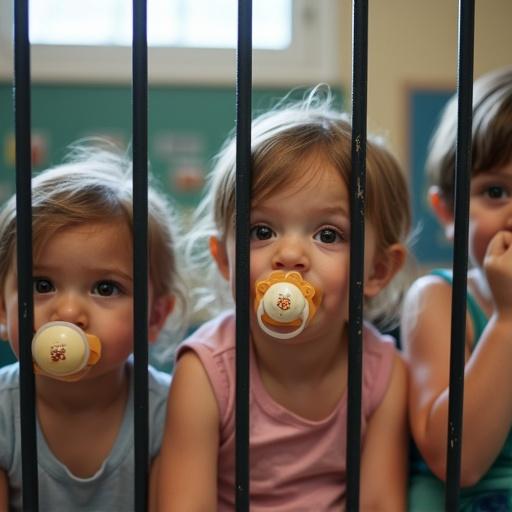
(88,394)
(308,361)
(309,378)
(93,410)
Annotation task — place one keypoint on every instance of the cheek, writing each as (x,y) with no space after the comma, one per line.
(114,321)
(117,344)
(336,285)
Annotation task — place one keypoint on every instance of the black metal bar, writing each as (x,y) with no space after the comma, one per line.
(460,253)
(22,116)
(243,215)
(140,251)
(357,200)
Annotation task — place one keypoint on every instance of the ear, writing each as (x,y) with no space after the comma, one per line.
(384,268)
(442,210)
(160,310)
(220,255)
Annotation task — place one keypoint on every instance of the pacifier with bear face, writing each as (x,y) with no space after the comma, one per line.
(63,351)
(285,300)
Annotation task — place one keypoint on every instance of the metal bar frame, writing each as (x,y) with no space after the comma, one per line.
(140,252)
(22,105)
(357,207)
(22,119)
(460,252)
(243,219)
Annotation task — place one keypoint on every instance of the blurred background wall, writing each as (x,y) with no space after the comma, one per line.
(412,71)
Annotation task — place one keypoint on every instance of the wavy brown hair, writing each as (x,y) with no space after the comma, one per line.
(282,141)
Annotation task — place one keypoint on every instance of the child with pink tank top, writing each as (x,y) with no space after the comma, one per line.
(299,277)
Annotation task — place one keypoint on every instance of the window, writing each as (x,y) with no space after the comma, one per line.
(175,23)
(191,41)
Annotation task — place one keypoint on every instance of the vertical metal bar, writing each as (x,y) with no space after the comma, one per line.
(460,253)
(140,251)
(357,199)
(243,215)
(24,253)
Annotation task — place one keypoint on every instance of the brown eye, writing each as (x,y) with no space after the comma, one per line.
(261,233)
(43,285)
(328,236)
(496,192)
(106,289)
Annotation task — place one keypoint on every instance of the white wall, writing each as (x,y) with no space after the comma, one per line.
(414,43)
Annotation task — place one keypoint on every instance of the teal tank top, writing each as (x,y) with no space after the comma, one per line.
(494,491)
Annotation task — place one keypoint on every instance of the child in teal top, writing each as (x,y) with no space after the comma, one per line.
(486,463)
(493,492)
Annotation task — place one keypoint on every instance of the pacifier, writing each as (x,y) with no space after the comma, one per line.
(63,351)
(285,300)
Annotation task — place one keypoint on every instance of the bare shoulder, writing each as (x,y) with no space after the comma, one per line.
(384,457)
(190,443)
(399,373)
(191,385)
(396,394)
(426,286)
(426,309)
(189,365)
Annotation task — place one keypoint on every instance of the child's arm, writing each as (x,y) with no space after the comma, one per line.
(4,491)
(187,473)
(153,484)
(384,458)
(487,404)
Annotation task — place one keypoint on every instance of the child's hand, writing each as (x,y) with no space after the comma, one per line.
(498,269)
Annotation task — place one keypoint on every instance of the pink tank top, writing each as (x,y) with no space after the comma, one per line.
(296,464)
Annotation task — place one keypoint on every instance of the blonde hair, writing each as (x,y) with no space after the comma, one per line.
(281,140)
(94,184)
(491,132)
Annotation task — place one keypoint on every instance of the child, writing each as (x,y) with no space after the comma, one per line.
(486,466)
(83,279)
(301,231)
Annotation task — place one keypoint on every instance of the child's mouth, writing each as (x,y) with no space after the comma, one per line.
(61,350)
(285,303)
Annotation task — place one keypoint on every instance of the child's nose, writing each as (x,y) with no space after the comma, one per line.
(291,254)
(70,307)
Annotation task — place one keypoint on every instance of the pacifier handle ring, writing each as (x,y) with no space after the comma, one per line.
(282,335)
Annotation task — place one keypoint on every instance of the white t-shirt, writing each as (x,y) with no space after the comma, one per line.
(111,489)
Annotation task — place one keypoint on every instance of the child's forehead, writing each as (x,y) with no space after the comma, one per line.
(308,172)
(113,231)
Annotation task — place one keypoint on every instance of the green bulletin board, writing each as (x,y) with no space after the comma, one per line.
(186,126)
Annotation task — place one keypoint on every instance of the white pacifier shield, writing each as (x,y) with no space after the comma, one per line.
(60,349)
(283,302)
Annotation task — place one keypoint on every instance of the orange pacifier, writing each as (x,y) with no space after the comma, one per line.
(63,351)
(285,300)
